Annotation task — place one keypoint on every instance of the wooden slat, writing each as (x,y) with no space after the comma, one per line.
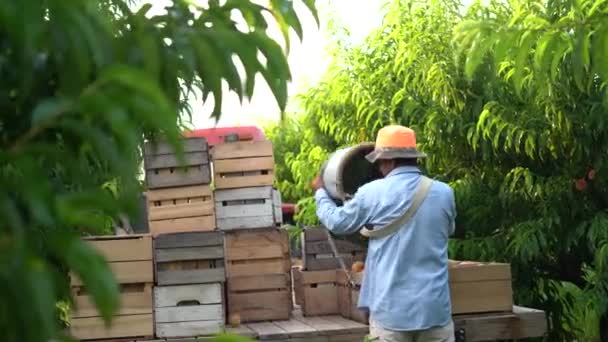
(169,296)
(189,239)
(244,181)
(190,175)
(189,313)
(187,224)
(252,222)
(323,247)
(242,330)
(258,268)
(130,304)
(128,272)
(258,282)
(243,164)
(244,210)
(170,160)
(322,324)
(295,328)
(315,234)
(317,277)
(260,306)
(184,329)
(124,249)
(255,252)
(122,326)
(195,191)
(506,326)
(258,237)
(189,253)
(178,211)
(242,149)
(482,296)
(251,193)
(191,144)
(482,272)
(350,326)
(199,276)
(268,331)
(320,301)
(314,264)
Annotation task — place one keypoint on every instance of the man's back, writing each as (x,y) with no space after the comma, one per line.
(405,285)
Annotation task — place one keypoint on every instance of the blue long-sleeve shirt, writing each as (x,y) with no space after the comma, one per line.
(405,284)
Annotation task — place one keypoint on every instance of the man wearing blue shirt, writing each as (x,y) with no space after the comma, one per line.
(405,284)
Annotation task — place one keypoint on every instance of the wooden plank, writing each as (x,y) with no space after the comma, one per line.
(322,324)
(258,268)
(317,277)
(127,272)
(162,161)
(295,328)
(241,330)
(122,326)
(189,253)
(318,233)
(189,313)
(190,175)
(249,193)
(189,239)
(350,326)
(131,303)
(320,301)
(169,296)
(502,326)
(323,247)
(123,248)
(268,331)
(185,329)
(252,222)
(187,224)
(314,264)
(194,276)
(258,282)
(190,144)
(244,210)
(244,181)
(186,192)
(258,237)
(255,252)
(483,296)
(260,306)
(243,164)
(480,272)
(178,211)
(242,149)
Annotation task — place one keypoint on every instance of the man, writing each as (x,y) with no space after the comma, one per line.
(405,285)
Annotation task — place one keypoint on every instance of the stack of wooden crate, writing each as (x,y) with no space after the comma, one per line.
(257,250)
(179,196)
(130,259)
(317,254)
(190,277)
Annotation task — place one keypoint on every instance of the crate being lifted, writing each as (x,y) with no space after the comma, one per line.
(130,259)
(247,208)
(258,269)
(164,170)
(242,164)
(183,209)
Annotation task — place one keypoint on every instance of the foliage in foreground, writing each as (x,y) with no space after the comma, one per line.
(82,84)
(509,100)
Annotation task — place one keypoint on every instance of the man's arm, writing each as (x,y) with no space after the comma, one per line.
(344,220)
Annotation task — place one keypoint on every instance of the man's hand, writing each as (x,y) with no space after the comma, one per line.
(317,183)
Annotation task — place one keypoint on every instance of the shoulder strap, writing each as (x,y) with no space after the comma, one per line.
(419,196)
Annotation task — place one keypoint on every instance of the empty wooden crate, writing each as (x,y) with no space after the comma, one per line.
(317,254)
(183,209)
(258,274)
(130,259)
(316,292)
(477,287)
(246,208)
(348,296)
(190,276)
(164,170)
(243,164)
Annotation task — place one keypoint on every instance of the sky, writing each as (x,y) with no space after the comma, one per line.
(308,61)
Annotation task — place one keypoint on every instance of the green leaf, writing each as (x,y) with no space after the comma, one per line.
(50,109)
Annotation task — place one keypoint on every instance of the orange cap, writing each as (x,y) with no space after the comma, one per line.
(396,136)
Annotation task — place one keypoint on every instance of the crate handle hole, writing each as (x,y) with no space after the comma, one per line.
(171,170)
(188,303)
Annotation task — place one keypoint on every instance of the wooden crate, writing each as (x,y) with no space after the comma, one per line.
(183,209)
(130,259)
(243,164)
(246,208)
(189,310)
(477,287)
(316,292)
(189,258)
(258,274)
(164,170)
(317,254)
(348,297)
